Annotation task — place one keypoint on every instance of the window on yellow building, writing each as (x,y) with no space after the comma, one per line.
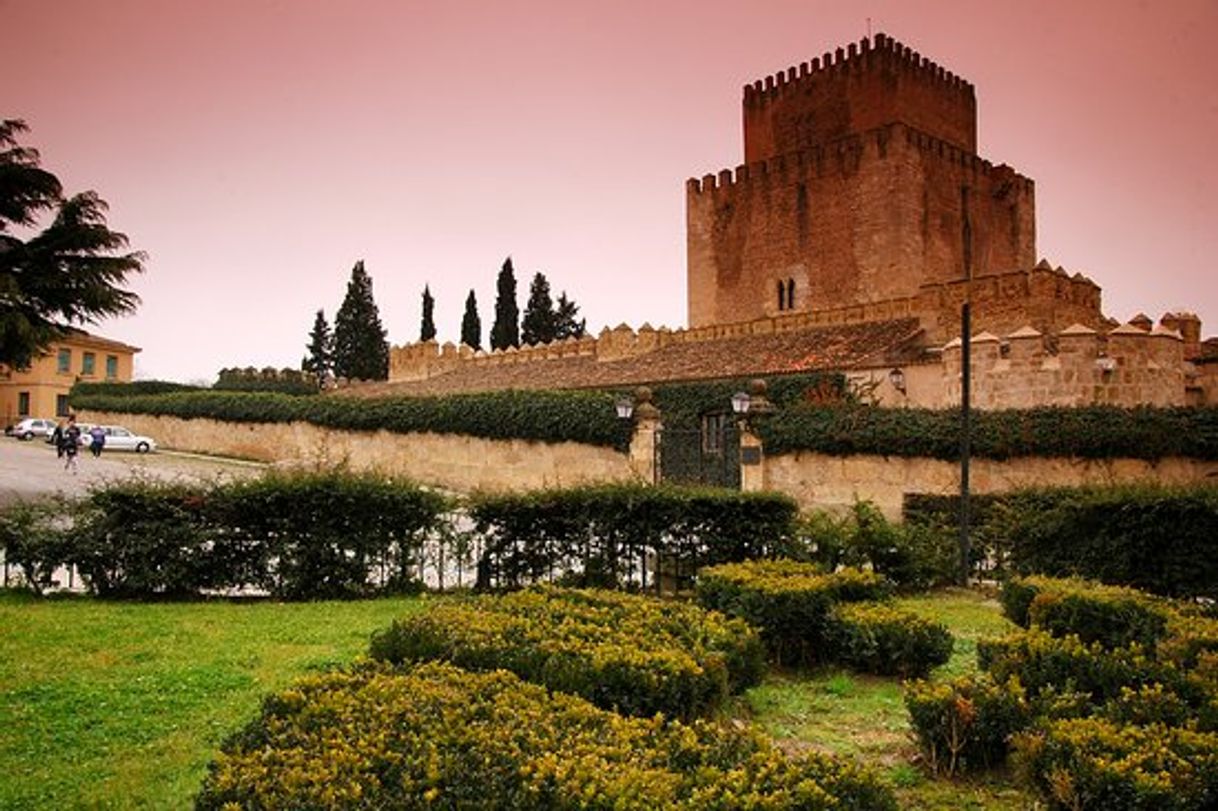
(111,366)
(87,363)
(61,405)
(65,361)
(23,403)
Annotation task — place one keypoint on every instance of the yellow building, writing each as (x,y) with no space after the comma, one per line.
(42,389)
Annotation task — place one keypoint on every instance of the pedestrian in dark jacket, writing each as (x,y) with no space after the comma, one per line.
(97,437)
(71,444)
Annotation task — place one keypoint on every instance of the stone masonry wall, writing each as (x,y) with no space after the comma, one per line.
(855,89)
(460,463)
(835,482)
(867,218)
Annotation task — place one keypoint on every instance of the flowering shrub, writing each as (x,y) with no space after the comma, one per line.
(635,654)
(878,638)
(966,724)
(1092,763)
(788,601)
(436,736)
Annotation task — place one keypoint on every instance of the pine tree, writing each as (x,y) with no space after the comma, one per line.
(540,322)
(320,360)
(360,349)
(505,331)
(428,331)
(57,275)
(565,325)
(471,324)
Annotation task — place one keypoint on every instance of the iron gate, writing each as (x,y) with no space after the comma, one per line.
(708,455)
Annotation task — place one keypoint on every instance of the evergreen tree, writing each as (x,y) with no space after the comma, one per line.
(360,349)
(505,331)
(540,322)
(55,278)
(565,325)
(320,360)
(471,324)
(428,331)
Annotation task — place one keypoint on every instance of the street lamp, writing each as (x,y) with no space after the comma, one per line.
(625,407)
(740,403)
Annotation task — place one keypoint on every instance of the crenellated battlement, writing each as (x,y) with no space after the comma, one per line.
(1077,366)
(845,155)
(884,53)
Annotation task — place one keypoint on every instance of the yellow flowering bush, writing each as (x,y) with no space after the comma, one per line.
(878,638)
(638,655)
(966,724)
(1112,615)
(435,736)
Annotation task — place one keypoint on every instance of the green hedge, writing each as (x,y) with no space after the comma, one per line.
(1091,764)
(304,536)
(878,638)
(1092,432)
(1155,538)
(133,389)
(966,724)
(683,404)
(285,381)
(912,556)
(436,736)
(1111,615)
(553,416)
(633,654)
(604,535)
(788,601)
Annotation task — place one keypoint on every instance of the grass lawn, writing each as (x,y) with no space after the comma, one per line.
(122,705)
(114,705)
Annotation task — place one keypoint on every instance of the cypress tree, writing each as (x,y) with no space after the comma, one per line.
(428,331)
(540,322)
(505,331)
(471,324)
(320,358)
(565,325)
(360,349)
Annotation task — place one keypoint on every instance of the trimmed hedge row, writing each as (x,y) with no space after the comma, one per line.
(1092,432)
(545,416)
(132,389)
(1154,538)
(635,655)
(602,535)
(806,616)
(1110,615)
(436,736)
(303,536)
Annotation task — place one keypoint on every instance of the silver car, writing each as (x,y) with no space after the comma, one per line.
(119,438)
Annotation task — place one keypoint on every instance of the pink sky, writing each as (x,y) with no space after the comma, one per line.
(257,148)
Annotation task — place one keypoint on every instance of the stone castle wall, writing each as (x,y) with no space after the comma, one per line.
(870,217)
(461,463)
(853,90)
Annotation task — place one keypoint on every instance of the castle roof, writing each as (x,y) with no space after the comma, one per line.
(814,349)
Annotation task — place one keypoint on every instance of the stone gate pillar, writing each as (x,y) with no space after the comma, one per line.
(646,433)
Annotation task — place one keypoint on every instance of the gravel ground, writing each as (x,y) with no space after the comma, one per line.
(31,469)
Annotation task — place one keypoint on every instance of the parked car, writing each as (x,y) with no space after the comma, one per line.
(30,427)
(119,438)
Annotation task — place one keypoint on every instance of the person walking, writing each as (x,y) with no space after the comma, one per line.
(57,438)
(71,444)
(97,440)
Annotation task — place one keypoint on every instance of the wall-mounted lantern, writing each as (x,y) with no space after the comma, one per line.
(625,407)
(897,378)
(740,403)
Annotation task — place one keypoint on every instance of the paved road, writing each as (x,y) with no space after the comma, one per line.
(31,469)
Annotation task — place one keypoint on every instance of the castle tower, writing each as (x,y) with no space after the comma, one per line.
(861,183)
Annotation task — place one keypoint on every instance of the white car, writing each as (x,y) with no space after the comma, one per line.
(31,427)
(119,438)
